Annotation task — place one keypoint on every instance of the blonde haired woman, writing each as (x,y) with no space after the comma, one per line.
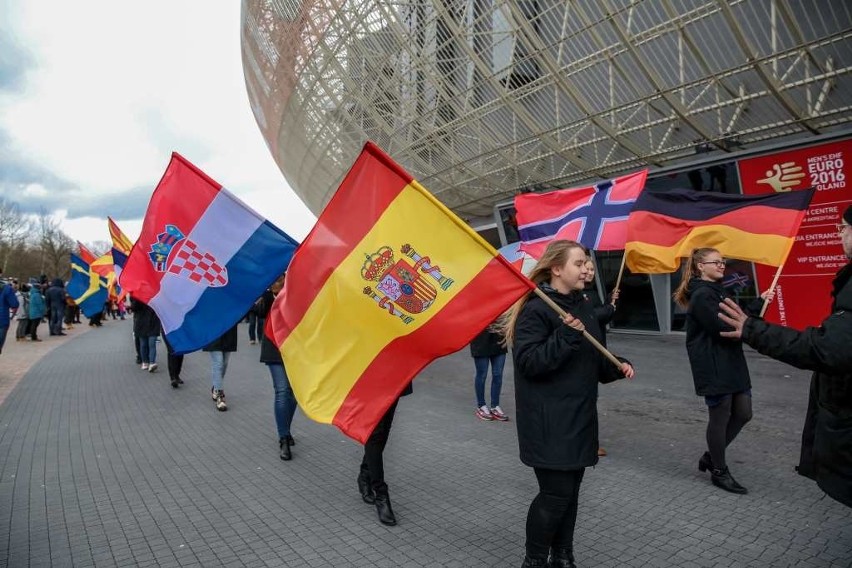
(556,390)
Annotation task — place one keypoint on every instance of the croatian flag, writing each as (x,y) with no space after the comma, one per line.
(203,257)
(594,216)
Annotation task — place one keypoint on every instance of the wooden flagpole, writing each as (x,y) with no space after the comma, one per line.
(586,334)
(772,287)
(620,272)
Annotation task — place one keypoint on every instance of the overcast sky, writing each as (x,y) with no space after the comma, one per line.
(95,95)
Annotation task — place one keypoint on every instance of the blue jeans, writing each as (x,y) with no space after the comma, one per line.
(218,368)
(481,364)
(57,314)
(285,401)
(148,348)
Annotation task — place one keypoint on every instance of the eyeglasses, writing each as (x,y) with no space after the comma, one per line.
(842,227)
(719,263)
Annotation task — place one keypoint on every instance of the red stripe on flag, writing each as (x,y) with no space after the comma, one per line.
(662,230)
(365,193)
(182,196)
(490,293)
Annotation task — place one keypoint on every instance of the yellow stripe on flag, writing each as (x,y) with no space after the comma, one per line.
(647,258)
(318,347)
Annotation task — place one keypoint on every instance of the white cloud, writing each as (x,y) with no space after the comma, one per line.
(115,90)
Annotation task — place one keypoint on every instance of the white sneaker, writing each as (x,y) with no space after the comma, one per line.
(498,414)
(483,413)
(152,367)
(144,366)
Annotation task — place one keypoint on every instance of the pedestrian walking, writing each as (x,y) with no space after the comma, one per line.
(220,352)
(556,385)
(719,368)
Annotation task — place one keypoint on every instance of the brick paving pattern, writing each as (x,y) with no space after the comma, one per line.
(102,464)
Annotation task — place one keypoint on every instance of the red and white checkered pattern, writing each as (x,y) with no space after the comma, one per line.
(198,266)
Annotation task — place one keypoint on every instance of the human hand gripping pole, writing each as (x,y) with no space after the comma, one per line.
(626,368)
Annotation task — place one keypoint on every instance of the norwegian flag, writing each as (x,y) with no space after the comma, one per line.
(594,216)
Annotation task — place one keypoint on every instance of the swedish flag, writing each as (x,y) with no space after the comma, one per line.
(87,288)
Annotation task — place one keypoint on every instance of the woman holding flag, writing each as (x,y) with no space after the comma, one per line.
(556,386)
(719,368)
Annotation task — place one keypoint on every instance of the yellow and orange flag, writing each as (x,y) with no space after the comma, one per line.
(119,239)
(388,280)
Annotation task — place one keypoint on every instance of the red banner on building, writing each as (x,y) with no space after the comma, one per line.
(803,293)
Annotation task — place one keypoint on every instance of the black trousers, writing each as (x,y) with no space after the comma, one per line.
(553,512)
(175,362)
(373,462)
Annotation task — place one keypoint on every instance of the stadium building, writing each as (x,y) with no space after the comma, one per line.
(484,99)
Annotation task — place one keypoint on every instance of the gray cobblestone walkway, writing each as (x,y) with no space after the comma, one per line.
(102,464)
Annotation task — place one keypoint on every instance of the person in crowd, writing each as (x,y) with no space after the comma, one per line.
(8,308)
(826,454)
(23,297)
(556,385)
(285,403)
(174,362)
(37,311)
(70,307)
(146,328)
(371,477)
(220,351)
(55,300)
(487,349)
(603,311)
(719,368)
(255,322)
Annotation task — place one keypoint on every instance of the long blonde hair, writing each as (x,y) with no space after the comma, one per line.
(556,254)
(690,271)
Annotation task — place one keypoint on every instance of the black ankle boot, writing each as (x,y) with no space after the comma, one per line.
(383,508)
(365,488)
(723,478)
(705,462)
(562,558)
(285,453)
(533,562)
(290,440)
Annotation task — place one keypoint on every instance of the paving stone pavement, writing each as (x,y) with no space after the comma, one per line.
(102,464)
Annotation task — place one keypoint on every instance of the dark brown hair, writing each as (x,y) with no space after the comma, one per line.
(690,271)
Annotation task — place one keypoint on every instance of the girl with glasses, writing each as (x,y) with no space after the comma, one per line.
(719,368)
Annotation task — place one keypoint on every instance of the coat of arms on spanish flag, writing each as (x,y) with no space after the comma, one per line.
(388,280)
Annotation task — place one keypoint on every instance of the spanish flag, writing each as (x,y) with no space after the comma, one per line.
(665,227)
(387,280)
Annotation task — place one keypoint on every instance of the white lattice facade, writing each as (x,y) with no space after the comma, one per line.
(480,99)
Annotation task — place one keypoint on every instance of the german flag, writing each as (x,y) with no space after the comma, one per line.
(387,280)
(665,227)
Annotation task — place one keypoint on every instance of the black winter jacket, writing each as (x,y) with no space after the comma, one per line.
(145,320)
(604,311)
(826,455)
(54,297)
(487,344)
(556,383)
(226,342)
(718,363)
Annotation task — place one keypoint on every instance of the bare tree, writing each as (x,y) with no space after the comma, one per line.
(55,246)
(14,227)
